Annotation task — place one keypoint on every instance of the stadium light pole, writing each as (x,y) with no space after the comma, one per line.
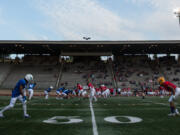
(177,13)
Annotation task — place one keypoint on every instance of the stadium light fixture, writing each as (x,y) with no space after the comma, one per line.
(87,38)
(177,13)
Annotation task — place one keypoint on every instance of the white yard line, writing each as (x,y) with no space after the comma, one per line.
(95,132)
(164,104)
(50,109)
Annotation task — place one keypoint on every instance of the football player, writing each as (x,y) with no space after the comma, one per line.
(59,92)
(92,92)
(67,93)
(98,92)
(19,93)
(46,92)
(106,91)
(175,92)
(80,90)
(31,89)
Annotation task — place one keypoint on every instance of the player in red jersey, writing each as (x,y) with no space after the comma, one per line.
(80,89)
(105,91)
(175,93)
(98,92)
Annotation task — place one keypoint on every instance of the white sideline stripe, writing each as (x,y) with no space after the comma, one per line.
(95,132)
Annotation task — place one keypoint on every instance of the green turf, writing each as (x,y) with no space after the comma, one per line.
(151,110)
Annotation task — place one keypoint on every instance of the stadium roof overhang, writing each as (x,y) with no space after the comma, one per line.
(115,47)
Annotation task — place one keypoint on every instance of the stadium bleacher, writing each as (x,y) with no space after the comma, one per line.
(44,69)
(126,71)
(44,75)
(80,72)
(4,71)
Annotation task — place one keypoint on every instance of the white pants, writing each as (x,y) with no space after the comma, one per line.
(64,94)
(106,93)
(31,91)
(13,100)
(12,103)
(84,93)
(46,94)
(177,94)
(80,92)
(74,93)
(59,93)
(93,94)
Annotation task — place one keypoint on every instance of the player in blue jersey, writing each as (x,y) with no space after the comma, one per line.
(19,93)
(59,92)
(46,92)
(67,93)
(31,89)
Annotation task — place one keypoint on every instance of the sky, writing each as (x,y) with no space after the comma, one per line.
(98,19)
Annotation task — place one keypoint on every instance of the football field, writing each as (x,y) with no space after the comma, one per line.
(112,116)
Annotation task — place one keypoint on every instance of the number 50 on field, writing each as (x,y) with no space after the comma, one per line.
(76,119)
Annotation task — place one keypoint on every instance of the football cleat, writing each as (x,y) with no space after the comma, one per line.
(26,116)
(177,113)
(1,115)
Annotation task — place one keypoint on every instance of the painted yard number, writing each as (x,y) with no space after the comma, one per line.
(113,119)
(75,119)
(71,120)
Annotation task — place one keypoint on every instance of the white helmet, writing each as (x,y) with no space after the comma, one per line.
(102,85)
(51,87)
(29,77)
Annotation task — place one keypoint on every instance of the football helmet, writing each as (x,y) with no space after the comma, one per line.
(161,80)
(29,77)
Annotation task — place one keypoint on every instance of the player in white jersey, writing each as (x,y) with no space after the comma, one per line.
(31,89)
(92,92)
(105,91)
(18,93)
